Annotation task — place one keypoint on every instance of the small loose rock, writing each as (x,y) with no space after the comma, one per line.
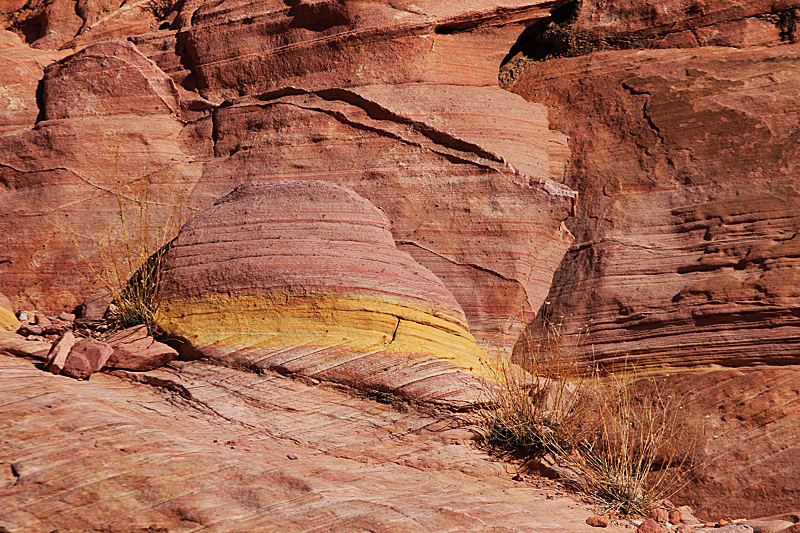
(598,521)
(650,526)
(659,514)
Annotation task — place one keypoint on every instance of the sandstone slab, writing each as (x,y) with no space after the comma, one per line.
(57,357)
(742,438)
(123,456)
(685,241)
(329,44)
(12,344)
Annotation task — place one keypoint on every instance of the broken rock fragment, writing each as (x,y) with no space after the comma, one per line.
(86,357)
(135,350)
(57,357)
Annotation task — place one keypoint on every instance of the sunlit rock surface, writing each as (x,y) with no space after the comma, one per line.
(304,277)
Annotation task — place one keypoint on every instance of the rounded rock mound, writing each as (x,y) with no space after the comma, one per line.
(304,277)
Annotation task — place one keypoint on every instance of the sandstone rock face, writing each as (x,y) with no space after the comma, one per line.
(578,28)
(21,68)
(744,436)
(689,232)
(304,277)
(120,81)
(484,219)
(316,45)
(98,148)
(397,101)
(8,321)
(686,234)
(382,97)
(77,23)
(123,456)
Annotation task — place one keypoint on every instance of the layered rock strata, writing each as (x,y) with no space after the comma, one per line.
(742,435)
(685,257)
(687,246)
(304,277)
(203,446)
(467,197)
(103,149)
(8,321)
(397,101)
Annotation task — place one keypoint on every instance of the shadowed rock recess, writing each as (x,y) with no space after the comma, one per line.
(396,216)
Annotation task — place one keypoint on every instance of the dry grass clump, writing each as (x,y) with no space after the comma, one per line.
(125,253)
(619,432)
(638,457)
(540,400)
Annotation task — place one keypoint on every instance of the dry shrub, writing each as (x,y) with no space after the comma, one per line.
(638,456)
(125,253)
(620,432)
(539,400)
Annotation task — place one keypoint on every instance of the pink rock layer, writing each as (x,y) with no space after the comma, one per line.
(463,168)
(743,437)
(686,244)
(124,456)
(304,277)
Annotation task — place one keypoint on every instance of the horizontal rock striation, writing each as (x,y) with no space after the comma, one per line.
(304,277)
(685,255)
(743,436)
(271,45)
(581,27)
(257,453)
(686,250)
(398,102)
(467,197)
(98,148)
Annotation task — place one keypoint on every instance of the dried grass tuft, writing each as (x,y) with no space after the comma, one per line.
(126,253)
(619,432)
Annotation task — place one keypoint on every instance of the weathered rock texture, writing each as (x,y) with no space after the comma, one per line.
(258,453)
(135,350)
(8,320)
(21,68)
(743,435)
(106,130)
(76,23)
(304,277)
(686,160)
(400,102)
(687,229)
(438,167)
